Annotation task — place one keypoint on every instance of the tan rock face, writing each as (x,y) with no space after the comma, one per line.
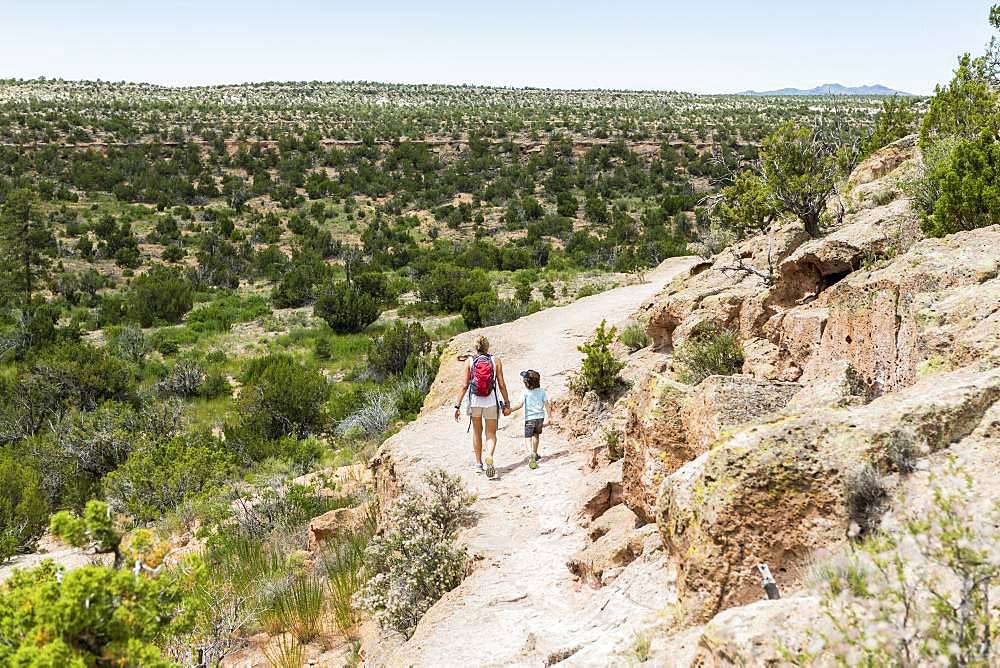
(655,442)
(868,179)
(335,523)
(617,541)
(672,423)
(783,306)
(720,403)
(886,323)
(758,634)
(773,492)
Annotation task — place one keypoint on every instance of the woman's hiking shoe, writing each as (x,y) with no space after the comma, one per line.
(478,467)
(491,472)
(533,461)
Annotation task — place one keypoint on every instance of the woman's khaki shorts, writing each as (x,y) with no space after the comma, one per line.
(488,412)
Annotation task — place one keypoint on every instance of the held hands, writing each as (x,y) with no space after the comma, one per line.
(506,411)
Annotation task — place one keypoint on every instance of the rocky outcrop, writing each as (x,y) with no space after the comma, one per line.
(334,523)
(887,322)
(655,442)
(773,492)
(672,423)
(619,537)
(764,633)
(716,292)
(601,491)
(721,403)
(780,291)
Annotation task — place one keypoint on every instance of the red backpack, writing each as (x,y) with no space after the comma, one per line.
(482,376)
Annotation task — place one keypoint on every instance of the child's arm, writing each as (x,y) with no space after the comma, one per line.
(516,407)
(549,414)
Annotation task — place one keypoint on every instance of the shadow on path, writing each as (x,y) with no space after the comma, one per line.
(524,462)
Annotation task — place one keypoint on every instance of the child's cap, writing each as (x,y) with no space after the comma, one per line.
(532,378)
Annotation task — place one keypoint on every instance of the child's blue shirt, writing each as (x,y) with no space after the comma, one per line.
(534,403)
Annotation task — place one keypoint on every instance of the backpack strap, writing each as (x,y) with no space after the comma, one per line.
(496,395)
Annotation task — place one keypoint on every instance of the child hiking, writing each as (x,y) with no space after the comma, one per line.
(485,385)
(537,407)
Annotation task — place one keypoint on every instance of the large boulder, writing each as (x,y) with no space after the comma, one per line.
(655,442)
(774,492)
(759,634)
(672,423)
(721,403)
(335,523)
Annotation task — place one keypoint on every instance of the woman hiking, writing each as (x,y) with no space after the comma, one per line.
(482,380)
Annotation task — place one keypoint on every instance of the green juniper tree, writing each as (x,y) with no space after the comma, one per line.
(26,247)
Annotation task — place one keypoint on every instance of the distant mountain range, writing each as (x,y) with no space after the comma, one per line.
(830,89)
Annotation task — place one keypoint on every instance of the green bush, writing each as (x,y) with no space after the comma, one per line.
(600,368)
(962,108)
(162,295)
(712,352)
(390,352)
(508,310)
(282,397)
(222,313)
(82,376)
(417,560)
(800,168)
(896,120)
(634,337)
(298,283)
(373,284)
(128,343)
(158,477)
(23,508)
(97,442)
(747,206)
(447,285)
(474,306)
(94,530)
(169,340)
(345,309)
(967,185)
(321,348)
(89,616)
(215,385)
(184,379)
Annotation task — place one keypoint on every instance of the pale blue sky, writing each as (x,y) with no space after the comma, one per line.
(696,46)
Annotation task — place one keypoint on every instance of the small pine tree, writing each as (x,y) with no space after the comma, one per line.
(600,367)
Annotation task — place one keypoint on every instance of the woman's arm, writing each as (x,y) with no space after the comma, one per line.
(461,395)
(501,383)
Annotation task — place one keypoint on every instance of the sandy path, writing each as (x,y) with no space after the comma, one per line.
(521,606)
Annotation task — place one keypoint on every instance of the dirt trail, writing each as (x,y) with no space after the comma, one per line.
(521,606)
